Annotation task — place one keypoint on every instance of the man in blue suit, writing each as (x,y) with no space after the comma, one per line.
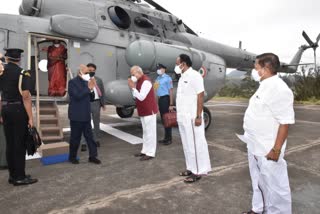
(80,91)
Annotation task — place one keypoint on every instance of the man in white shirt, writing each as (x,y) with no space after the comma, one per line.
(266,125)
(189,103)
(147,107)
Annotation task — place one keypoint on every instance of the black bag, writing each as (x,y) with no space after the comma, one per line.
(33,141)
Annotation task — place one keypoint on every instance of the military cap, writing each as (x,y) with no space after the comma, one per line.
(13,53)
(159,65)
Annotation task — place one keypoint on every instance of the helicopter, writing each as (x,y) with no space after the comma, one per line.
(115,35)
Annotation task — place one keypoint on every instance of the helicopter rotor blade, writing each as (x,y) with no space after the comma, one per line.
(307,38)
(318,38)
(160,8)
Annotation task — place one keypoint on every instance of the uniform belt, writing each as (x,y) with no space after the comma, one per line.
(4,103)
(96,100)
(164,96)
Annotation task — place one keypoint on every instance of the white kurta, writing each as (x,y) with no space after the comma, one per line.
(269,107)
(193,138)
(149,123)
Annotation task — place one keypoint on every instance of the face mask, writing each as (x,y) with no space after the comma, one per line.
(56,45)
(177,69)
(92,74)
(159,72)
(255,75)
(85,77)
(134,79)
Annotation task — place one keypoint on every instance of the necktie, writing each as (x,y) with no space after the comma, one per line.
(98,90)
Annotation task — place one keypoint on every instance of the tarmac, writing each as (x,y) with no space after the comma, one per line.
(123,184)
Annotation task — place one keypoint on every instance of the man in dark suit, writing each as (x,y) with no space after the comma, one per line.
(97,103)
(80,91)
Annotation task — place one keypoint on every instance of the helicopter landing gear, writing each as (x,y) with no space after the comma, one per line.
(206,117)
(124,112)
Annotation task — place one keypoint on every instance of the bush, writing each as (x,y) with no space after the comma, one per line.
(246,89)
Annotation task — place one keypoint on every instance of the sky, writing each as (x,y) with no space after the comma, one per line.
(262,26)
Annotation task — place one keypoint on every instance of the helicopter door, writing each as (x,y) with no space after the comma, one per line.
(52,63)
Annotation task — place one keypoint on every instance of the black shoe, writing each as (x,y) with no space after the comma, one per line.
(98,143)
(94,160)
(145,158)
(164,140)
(168,142)
(74,161)
(83,147)
(25,181)
(139,155)
(11,180)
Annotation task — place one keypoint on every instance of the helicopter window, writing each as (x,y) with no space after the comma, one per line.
(143,22)
(119,17)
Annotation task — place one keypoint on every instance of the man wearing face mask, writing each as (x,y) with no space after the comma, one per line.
(80,91)
(164,88)
(266,125)
(57,72)
(97,104)
(147,107)
(189,102)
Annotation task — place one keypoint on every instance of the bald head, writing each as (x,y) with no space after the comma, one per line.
(136,71)
(83,69)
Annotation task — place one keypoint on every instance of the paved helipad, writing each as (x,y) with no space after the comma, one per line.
(123,184)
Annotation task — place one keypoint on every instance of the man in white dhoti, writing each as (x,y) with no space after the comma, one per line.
(147,107)
(189,103)
(266,125)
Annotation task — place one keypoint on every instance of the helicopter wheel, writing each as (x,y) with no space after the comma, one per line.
(206,117)
(125,112)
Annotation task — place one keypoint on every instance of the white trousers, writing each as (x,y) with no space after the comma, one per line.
(195,147)
(149,126)
(270,184)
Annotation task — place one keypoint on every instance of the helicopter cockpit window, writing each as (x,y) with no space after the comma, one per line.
(119,17)
(143,22)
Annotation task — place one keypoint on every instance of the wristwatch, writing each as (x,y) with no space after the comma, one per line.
(198,117)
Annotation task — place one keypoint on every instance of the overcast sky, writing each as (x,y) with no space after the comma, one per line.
(262,26)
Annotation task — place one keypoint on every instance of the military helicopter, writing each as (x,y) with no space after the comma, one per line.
(115,35)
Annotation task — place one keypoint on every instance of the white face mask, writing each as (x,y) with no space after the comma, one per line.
(134,79)
(56,45)
(85,77)
(255,75)
(177,69)
(159,72)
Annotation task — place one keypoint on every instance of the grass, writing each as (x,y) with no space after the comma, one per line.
(308,102)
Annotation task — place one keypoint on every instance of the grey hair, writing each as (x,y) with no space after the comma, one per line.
(137,68)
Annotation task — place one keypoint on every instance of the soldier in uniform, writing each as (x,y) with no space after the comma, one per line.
(164,88)
(16,115)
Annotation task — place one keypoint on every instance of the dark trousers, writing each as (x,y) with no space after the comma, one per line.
(15,123)
(77,129)
(164,104)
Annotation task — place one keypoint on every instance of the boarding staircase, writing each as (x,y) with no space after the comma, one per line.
(49,123)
